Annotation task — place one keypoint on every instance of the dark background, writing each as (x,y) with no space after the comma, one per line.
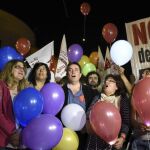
(49,20)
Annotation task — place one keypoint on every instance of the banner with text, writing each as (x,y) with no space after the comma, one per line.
(138,34)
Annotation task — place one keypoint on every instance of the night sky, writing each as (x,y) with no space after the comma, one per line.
(49,20)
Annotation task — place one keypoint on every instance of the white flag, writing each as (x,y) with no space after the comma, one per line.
(43,55)
(101,64)
(101,59)
(62,60)
(110,66)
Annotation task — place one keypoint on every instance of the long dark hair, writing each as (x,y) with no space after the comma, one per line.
(32,74)
(121,87)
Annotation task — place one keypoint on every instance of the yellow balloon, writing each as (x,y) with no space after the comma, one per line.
(69,140)
(84,60)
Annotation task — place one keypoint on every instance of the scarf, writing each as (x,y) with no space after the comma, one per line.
(115,100)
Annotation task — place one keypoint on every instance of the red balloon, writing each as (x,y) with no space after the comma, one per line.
(23,46)
(141,99)
(109,32)
(85,8)
(105,120)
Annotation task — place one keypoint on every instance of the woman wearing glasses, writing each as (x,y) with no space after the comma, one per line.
(12,81)
(113,91)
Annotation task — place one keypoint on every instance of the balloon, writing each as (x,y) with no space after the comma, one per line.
(73,116)
(42,133)
(121,52)
(141,99)
(85,8)
(23,46)
(8,53)
(105,120)
(84,60)
(54,98)
(94,58)
(88,68)
(27,105)
(69,140)
(109,32)
(75,52)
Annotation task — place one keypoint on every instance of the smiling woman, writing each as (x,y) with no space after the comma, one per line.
(12,81)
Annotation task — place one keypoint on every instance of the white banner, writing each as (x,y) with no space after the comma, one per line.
(62,61)
(138,34)
(43,55)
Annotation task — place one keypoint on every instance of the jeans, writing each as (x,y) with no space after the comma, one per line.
(139,144)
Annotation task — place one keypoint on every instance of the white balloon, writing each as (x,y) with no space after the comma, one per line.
(73,116)
(121,52)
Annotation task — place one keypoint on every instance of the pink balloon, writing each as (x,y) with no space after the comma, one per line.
(105,120)
(141,99)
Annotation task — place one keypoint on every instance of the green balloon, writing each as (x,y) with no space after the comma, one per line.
(88,68)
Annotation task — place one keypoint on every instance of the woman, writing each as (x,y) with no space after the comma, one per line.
(12,81)
(112,92)
(39,75)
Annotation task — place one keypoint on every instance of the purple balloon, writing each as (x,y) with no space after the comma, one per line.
(42,133)
(75,53)
(54,98)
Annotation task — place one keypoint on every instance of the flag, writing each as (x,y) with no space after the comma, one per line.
(43,55)
(110,66)
(101,70)
(101,59)
(62,60)
(107,64)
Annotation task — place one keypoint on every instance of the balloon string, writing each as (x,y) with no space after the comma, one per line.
(84,28)
(65,8)
(108,148)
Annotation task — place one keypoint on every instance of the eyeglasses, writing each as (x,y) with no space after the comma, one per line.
(110,80)
(19,67)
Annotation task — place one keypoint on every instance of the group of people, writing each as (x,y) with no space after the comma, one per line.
(115,89)
(12,81)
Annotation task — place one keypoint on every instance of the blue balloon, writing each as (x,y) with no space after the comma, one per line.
(27,105)
(8,53)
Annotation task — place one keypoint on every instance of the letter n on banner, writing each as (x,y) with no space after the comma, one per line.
(138,34)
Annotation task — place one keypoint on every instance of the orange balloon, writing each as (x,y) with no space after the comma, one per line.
(109,32)
(94,58)
(23,46)
(85,8)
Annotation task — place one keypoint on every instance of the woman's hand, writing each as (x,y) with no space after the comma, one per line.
(15,139)
(119,143)
(144,128)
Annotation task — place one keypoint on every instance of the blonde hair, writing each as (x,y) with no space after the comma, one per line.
(7,76)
